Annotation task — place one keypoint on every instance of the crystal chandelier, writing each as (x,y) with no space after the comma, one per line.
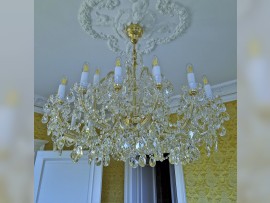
(130,119)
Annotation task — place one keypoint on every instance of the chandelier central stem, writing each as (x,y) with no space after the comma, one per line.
(134,32)
(134,79)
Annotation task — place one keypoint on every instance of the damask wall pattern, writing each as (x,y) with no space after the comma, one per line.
(214,179)
(113,182)
(40,131)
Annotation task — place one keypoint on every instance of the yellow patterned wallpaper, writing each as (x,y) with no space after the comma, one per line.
(113,183)
(209,180)
(40,131)
(214,179)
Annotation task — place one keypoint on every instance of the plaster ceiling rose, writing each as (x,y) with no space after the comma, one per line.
(163,21)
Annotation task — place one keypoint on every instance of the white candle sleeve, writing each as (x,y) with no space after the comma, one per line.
(156,73)
(96,79)
(118,75)
(208,91)
(191,80)
(61,91)
(84,79)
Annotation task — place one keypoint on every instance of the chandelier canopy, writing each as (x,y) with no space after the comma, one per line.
(127,115)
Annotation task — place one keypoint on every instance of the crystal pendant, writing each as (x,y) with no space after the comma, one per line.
(70,97)
(91,156)
(106,161)
(98,161)
(44,119)
(158,156)
(60,143)
(172,159)
(142,161)
(133,162)
(152,162)
(76,154)
(222,132)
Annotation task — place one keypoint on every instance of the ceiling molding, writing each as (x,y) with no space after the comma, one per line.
(96,18)
(227,91)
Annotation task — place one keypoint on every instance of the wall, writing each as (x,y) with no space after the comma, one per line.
(214,179)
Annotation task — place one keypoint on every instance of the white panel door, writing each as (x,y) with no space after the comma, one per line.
(59,180)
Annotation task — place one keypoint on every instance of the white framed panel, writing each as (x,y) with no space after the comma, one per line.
(58,179)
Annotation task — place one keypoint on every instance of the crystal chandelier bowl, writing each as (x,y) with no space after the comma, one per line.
(130,119)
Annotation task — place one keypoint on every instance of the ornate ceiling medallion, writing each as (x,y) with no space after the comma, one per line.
(162,20)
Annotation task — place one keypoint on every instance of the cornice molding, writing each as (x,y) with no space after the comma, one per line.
(227,91)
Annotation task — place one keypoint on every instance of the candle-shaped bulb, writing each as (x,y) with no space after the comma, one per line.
(118,62)
(207,88)
(84,75)
(155,61)
(96,77)
(191,77)
(62,88)
(118,72)
(156,70)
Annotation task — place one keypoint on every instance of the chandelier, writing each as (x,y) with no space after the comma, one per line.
(127,115)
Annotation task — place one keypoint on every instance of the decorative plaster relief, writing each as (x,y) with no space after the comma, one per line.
(163,21)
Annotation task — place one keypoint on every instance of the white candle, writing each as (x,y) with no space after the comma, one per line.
(156,71)
(191,77)
(62,89)
(118,72)
(96,77)
(84,76)
(207,88)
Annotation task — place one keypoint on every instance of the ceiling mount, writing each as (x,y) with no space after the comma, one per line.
(134,32)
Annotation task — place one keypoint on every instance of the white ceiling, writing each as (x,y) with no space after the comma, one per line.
(61,46)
